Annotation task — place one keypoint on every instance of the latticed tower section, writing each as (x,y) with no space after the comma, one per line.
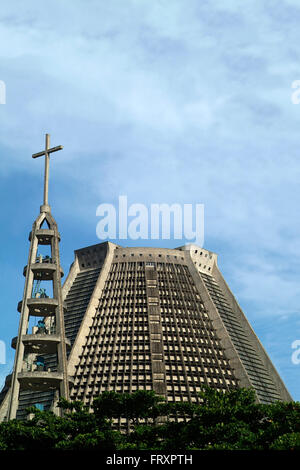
(163,320)
(41,332)
(151,331)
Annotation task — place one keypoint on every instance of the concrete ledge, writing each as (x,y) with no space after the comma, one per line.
(40,343)
(41,380)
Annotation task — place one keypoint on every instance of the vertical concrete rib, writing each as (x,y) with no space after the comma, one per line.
(155,330)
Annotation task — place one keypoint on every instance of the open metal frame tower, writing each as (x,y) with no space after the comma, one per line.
(30,372)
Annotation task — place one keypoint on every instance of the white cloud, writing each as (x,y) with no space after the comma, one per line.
(162,102)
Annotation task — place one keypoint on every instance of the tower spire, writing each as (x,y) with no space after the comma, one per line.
(45,207)
(41,359)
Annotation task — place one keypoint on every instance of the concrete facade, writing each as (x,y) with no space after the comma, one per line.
(158,319)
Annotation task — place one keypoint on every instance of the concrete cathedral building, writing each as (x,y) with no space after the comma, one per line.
(127,319)
(155,319)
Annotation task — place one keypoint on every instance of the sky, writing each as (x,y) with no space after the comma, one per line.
(168,101)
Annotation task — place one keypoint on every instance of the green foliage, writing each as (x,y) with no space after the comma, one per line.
(290,441)
(223,421)
(133,407)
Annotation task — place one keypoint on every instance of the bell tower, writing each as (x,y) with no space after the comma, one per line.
(41,327)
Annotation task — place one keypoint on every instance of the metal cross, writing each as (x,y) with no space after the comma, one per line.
(47,152)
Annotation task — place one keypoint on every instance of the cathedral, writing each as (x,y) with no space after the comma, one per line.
(128,319)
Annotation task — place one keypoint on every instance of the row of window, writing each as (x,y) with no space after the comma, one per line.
(207,255)
(124,255)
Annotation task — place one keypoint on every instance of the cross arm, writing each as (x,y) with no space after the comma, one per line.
(54,149)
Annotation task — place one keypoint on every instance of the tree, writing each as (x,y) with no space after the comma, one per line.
(227,421)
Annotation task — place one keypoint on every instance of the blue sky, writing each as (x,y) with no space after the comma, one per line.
(165,102)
